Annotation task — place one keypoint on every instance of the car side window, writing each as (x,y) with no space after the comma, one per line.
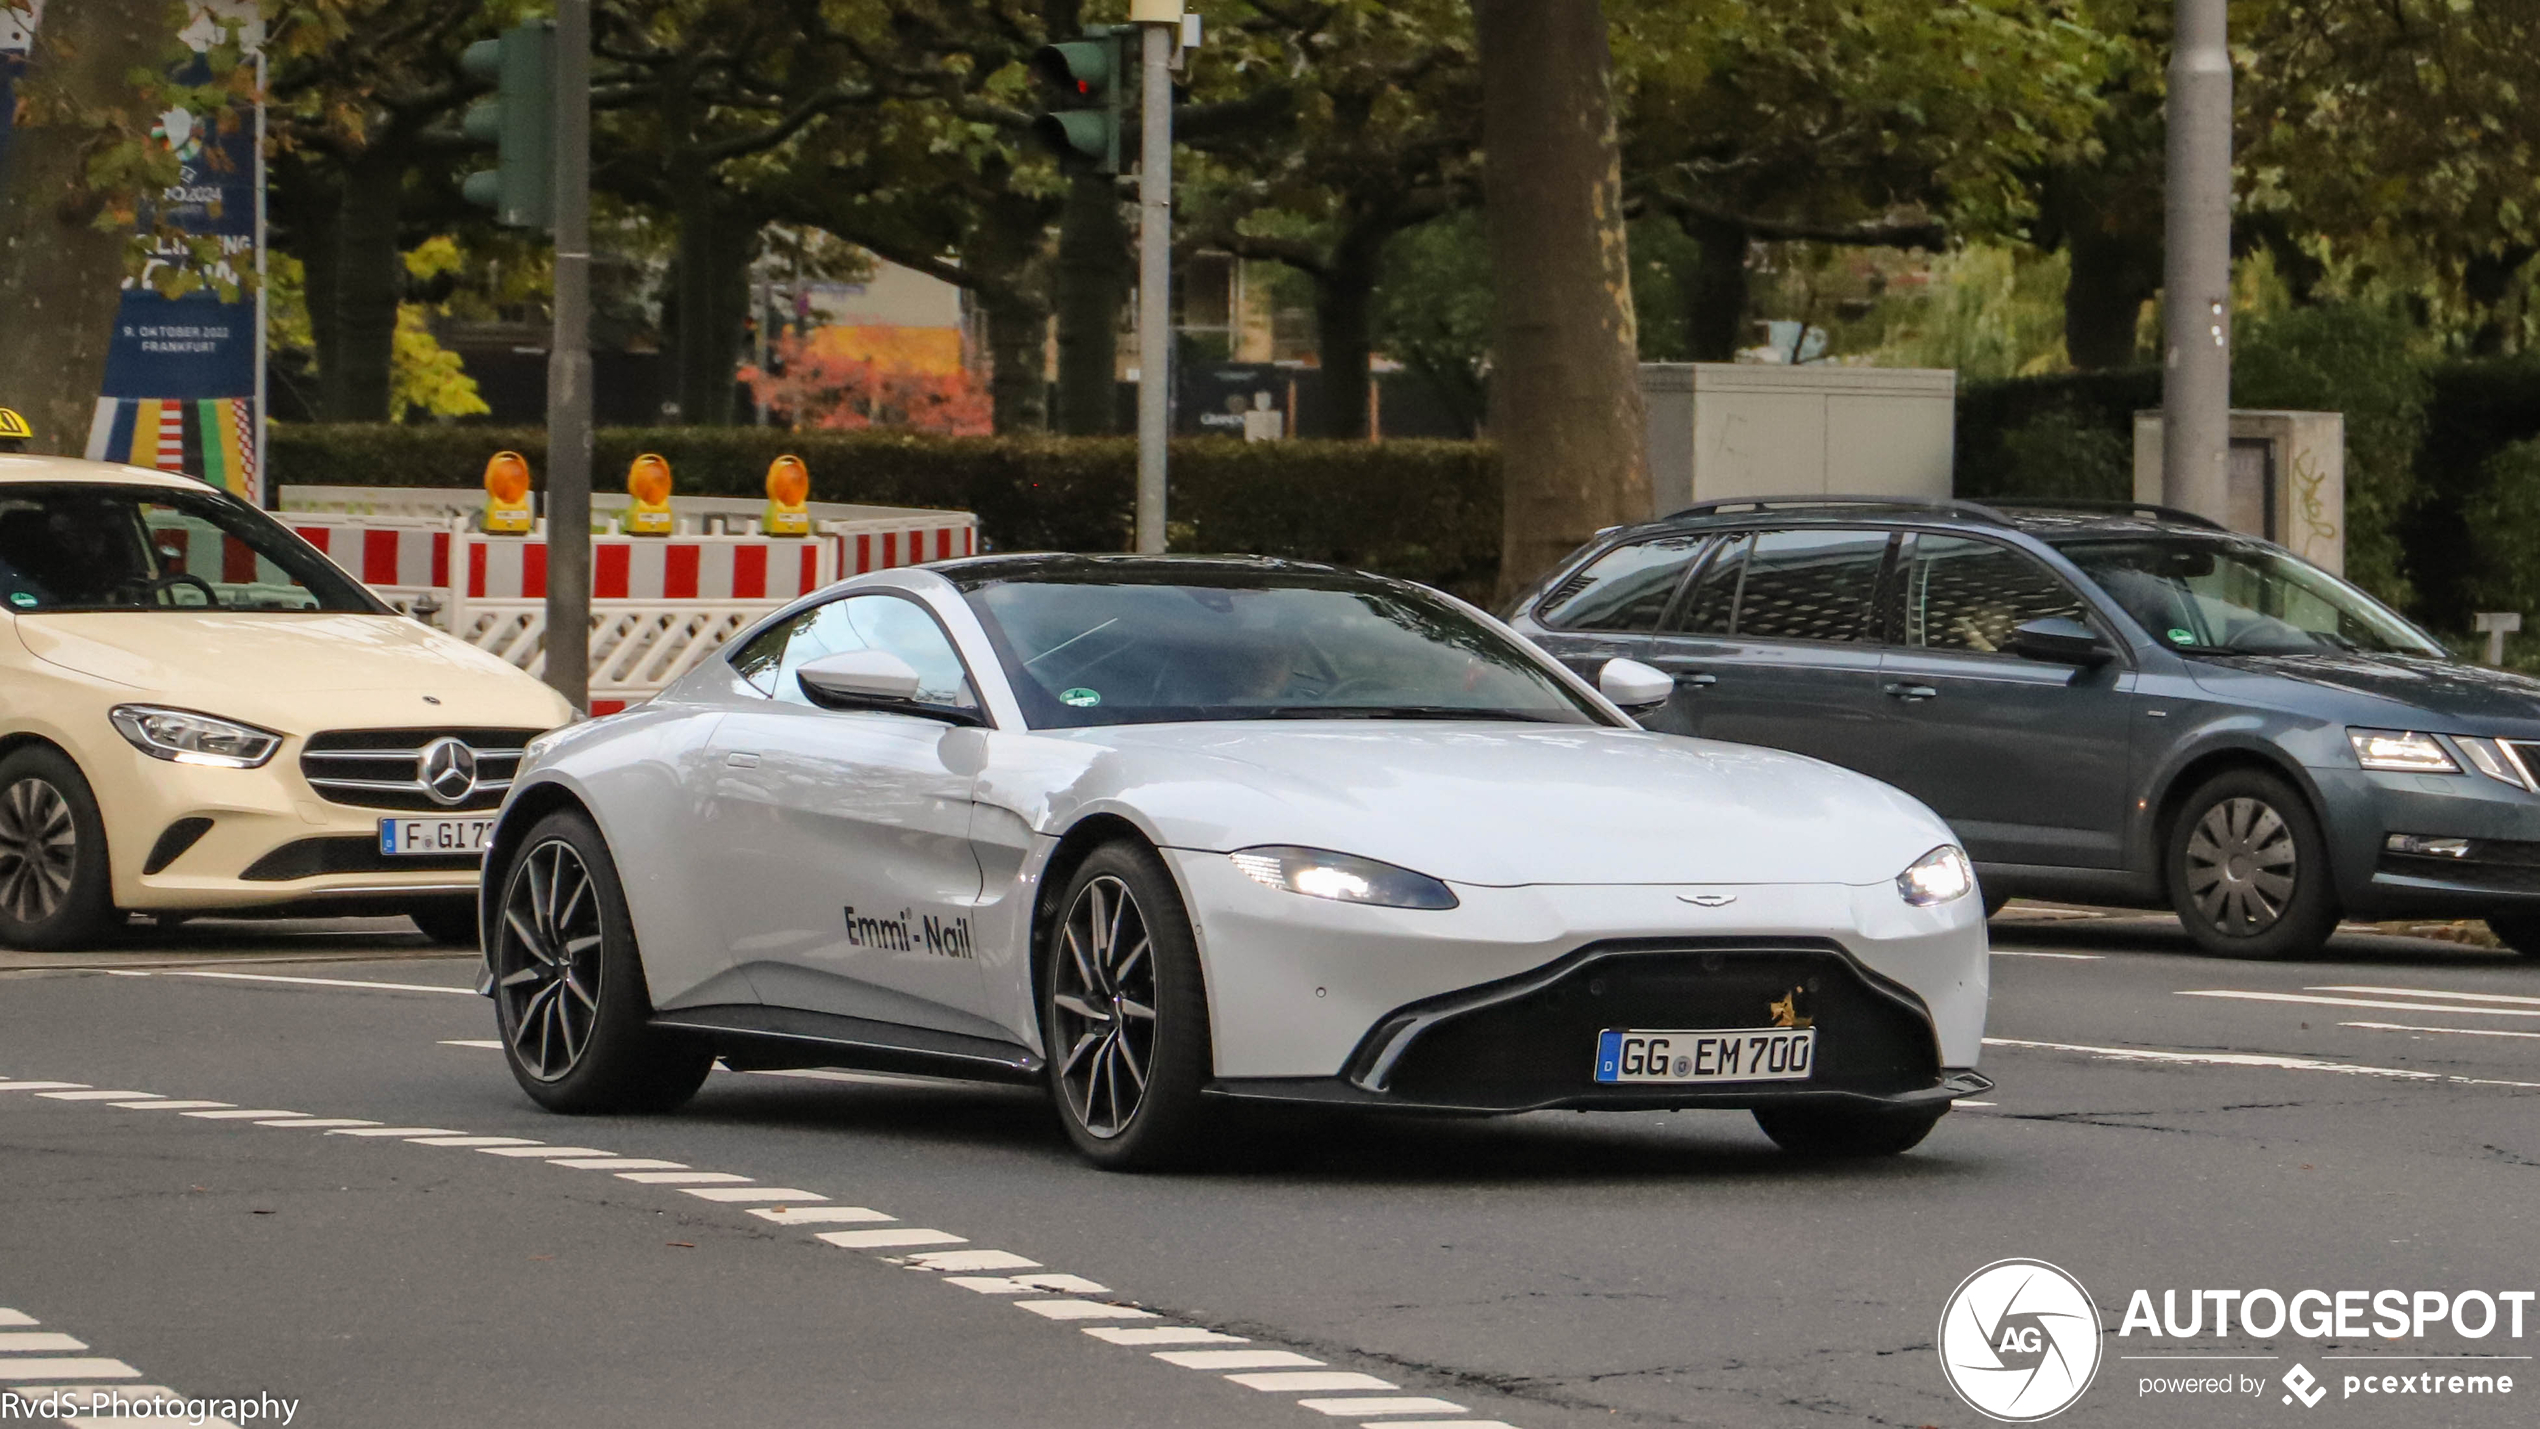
(1712,602)
(1961,593)
(1626,589)
(858,622)
(1810,585)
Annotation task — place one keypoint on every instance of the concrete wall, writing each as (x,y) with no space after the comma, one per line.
(1722,430)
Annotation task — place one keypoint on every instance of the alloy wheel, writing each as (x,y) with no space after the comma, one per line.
(1103,999)
(39,844)
(548,968)
(2241,866)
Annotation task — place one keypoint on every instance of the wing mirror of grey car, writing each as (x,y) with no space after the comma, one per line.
(872,680)
(1636,688)
(2059,641)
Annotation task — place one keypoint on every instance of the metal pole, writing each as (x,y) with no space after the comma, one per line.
(1155,275)
(2196,301)
(569,369)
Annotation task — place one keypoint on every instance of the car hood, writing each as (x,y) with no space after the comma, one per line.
(1505,805)
(294,672)
(2462,694)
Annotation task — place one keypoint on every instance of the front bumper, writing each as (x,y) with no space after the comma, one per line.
(2500,872)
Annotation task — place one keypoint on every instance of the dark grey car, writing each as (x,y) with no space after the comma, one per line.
(2124,705)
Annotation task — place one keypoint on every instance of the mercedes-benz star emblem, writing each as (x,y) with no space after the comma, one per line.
(448,771)
(1707,900)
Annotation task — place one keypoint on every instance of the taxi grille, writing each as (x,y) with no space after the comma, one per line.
(384,768)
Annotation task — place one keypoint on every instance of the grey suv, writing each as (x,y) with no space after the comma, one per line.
(2117,705)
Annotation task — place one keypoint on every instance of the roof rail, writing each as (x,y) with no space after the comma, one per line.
(2155,510)
(1760,504)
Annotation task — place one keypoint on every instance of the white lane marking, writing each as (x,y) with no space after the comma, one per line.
(36,1086)
(31,1370)
(29,1341)
(818,1215)
(471,1042)
(681,1178)
(753,1193)
(295,1119)
(163,1104)
(2253,1059)
(896,1236)
(2452,1031)
(1307,1381)
(2067,957)
(2436,992)
(1234,1359)
(1411,1404)
(1087,1310)
(617,1163)
(18,1317)
(1023,1284)
(968,1260)
(472,1141)
(2360,1002)
(1161,1335)
(307,981)
(236,1115)
(1439,1424)
(97,1096)
(536,1150)
(408,1132)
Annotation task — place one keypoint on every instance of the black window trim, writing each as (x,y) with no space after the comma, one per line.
(978,692)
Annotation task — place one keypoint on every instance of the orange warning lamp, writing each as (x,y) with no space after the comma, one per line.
(788,487)
(507,495)
(648,481)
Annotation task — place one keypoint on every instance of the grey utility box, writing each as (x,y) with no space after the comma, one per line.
(1720,430)
(2287,481)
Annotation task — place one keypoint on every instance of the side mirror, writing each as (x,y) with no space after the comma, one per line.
(873,680)
(1636,687)
(2058,641)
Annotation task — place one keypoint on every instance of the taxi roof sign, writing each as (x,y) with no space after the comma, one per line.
(13,427)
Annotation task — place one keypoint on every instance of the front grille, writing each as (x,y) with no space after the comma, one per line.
(346,853)
(1533,1041)
(383,768)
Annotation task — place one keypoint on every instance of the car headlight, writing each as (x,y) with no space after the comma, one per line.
(1937,877)
(2400,751)
(189,738)
(1343,877)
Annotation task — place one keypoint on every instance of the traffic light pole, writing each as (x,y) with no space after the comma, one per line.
(2196,298)
(569,368)
(1159,33)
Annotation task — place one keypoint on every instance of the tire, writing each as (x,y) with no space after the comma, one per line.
(569,994)
(450,922)
(2518,931)
(2248,869)
(1843,1131)
(1124,1014)
(56,892)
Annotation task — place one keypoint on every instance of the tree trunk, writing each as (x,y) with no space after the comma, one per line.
(712,291)
(61,277)
(1093,281)
(1716,318)
(2113,276)
(1005,254)
(308,212)
(1344,317)
(368,278)
(1565,376)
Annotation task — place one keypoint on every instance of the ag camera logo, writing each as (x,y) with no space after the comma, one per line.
(2019,1341)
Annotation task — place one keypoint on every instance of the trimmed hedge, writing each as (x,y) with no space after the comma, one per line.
(1425,511)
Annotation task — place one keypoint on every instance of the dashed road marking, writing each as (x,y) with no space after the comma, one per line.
(679,1178)
(2316,1001)
(1234,1359)
(94,1096)
(1352,1408)
(233,1114)
(163,1104)
(535,1150)
(303,981)
(36,1376)
(407,1132)
(472,1141)
(32,1370)
(1310,1381)
(2436,992)
(891,1239)
(315,1122)
(6,1086)
(1026,1284)
(19,1342)
(2452,1031)
(616,1163)
(948,1260)
(2254,1059)
(1084,1310)
(736,1194)
(1161,1335)
(818,1215)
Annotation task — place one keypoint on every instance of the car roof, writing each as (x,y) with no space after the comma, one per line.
(2043,517)
(17,467)
(973,572)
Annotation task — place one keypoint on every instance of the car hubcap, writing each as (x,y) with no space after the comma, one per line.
(549,968)
(1104,1007)
(38,842)
(2241,864)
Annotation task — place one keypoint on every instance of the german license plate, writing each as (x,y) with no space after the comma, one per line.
(1710,1054)
(398,837)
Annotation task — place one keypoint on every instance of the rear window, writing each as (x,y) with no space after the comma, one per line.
(1789,585)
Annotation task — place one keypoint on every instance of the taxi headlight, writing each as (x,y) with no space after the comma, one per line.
(1345,878)
(184,737)
(2400,751)
(1936,878)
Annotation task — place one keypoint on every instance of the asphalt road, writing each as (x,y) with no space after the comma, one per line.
(2164,1121)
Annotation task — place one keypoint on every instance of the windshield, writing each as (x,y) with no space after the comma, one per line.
(1112,647)
(112,547)
(2238,598)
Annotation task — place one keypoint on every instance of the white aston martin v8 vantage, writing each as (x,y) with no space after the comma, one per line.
(1158,831)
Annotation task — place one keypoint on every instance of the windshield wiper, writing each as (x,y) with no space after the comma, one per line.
(1454,712)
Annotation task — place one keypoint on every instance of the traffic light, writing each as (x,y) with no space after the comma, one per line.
(519,120)
(1092,77)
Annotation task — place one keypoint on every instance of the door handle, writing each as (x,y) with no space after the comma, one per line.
(1912,694)
(1698,681)
(740,759)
